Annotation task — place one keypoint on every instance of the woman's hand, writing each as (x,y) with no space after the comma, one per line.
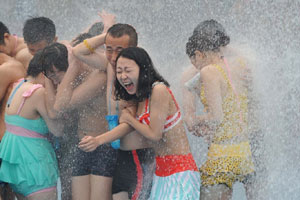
(88,143)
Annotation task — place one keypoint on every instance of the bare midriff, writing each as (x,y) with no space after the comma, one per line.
(92,118)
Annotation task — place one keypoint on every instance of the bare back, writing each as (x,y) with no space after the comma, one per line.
(225,95)
(10,71)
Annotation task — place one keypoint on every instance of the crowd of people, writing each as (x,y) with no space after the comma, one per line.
(95,112)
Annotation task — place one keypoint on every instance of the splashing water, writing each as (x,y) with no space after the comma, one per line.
(270,28)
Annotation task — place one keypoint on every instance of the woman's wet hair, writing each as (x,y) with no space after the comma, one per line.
(3,30)
(55,55)
(147,75)
(96,29)
(209,35)
(79,39)
(35,67)
(43,61)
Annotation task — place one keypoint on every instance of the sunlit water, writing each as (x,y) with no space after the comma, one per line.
(269,28)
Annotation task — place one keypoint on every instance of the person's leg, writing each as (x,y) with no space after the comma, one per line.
(20,197)
(251,187)
(100,187)
(81,171)
(47,195)
(66,173)
(124,176)
(121,196)
(6,192)
(215,192)
(103,165)
(144,160)
(81,187)
(118,191)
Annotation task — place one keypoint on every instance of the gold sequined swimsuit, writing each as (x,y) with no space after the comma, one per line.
(227,161)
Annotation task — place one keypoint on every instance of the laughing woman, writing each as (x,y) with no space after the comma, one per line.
(156,116)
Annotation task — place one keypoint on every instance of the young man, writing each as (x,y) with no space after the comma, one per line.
(10,71)
(83,88)
(133,176)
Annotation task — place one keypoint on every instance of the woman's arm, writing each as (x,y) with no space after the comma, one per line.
(188,99)
(212,91)
(90,143)
(159,107)
(50,93)
(55,125)
(66,87)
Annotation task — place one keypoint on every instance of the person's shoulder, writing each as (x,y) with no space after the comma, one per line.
(37,91)
(5,58)
(12,67)
(24,57)
(209,70)
(160,88)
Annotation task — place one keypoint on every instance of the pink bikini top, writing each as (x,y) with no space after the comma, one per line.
(26,94)
(171,120)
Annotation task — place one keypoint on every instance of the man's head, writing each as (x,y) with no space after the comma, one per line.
(119,37)
(54,61)
(6,43)
(38,32)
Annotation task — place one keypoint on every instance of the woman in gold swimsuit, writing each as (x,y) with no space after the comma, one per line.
(225,122)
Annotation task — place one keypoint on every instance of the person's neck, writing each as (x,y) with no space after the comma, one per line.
(216,58)
(31,79)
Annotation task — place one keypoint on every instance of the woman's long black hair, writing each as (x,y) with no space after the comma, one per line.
(147,75)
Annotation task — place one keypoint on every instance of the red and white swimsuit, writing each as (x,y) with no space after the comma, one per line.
(171,120)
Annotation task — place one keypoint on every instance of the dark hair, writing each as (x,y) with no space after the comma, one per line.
(38,29)
(209,35)
(35,67)
(96,29)
(3,30)
(56,55)
(80,38)
(118,30)
(147,75)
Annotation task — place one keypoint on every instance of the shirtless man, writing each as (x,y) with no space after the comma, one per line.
(13,46)
(10,71)
(134,170)
(83,88)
